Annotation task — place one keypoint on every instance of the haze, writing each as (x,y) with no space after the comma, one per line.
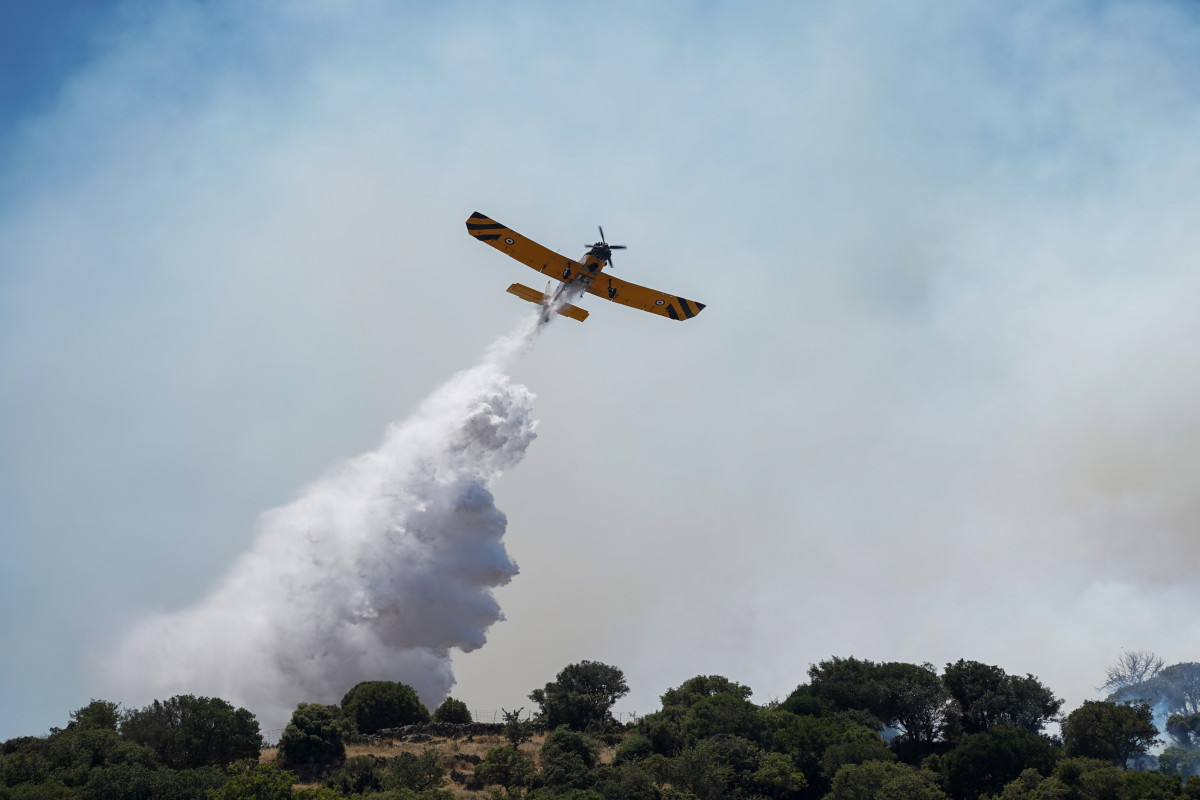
(942,403)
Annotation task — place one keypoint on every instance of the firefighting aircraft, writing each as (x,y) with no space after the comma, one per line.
(583,275)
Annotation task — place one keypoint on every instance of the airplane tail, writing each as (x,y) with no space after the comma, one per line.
(534,296)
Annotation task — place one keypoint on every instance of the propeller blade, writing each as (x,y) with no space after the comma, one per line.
(601,227)
(617,247)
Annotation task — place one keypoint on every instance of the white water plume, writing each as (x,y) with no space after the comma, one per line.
(376,572)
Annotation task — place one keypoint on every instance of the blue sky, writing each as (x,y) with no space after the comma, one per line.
(940,405)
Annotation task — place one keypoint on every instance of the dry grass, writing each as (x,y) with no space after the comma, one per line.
(447,748)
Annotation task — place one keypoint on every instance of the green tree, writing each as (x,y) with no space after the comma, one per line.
(864,781)
(452,711)
(516,730)
(357,775)
(581,696)
(701,707)
(97,714)
(987,761)
(567,757)
(414,772)
(625,782)
(777,777)
(633,748)
(1176,760)
(910,697)
(312,741)
(701,687)
(807,739)
(1088,779)
(986,695)
(374,705)
(1109,731)
(1184,730)
(188,731)
(1151,785)
(250,781)
(701,770)
(507,767)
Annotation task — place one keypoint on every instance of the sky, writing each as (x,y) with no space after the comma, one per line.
(942,402)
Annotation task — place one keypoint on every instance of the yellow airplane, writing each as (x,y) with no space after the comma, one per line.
(577,276)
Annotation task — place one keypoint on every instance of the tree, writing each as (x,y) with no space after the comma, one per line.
(452,711)
(1176,688)
(505,766)
(986,761)
(567,757)
(374,705)
(97,714)
(696,689)
(357,775)
(1185,731)
(581,696)
(188,731)
(777,777)
(250,781)
(1132,667)
(1109,731)
(806,740)
(701,707)
(865,781)
(1176,760)
(312,741)
(986,695)
(516,730)
(417,773)
(900,695)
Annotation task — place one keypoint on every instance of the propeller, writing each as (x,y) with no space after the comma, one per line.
(606,245)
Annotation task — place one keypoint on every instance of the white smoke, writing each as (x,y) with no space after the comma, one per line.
(376,572)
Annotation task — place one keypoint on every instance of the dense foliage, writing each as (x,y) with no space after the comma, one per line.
(856,730)
(374,705)
(452,711)
(581,696)
(188,731)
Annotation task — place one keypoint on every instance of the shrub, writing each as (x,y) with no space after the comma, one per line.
(312,741)
(372,705)
(452,711)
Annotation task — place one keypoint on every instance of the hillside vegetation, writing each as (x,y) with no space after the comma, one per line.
(855,730)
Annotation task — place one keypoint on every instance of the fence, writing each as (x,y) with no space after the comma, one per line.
(497,717)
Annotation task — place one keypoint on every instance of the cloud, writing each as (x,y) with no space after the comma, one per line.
(939,405)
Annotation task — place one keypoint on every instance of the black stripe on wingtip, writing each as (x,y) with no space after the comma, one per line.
(478,226)
(672,313)
(486,237)
(699,307)
(477,215)
(687,310)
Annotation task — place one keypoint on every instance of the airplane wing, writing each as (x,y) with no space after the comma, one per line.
(652,300)
(527,251)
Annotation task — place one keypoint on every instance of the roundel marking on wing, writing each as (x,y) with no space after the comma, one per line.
(508,241)
(658,302)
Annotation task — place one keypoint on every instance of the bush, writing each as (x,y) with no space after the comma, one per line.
(415,773)
(373,705)
(453,711)
(257,781)
(312,741)
(581,696)
(186,731)
(357,776)
(504,766)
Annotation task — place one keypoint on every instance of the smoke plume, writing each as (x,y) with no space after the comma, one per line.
(376,572)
